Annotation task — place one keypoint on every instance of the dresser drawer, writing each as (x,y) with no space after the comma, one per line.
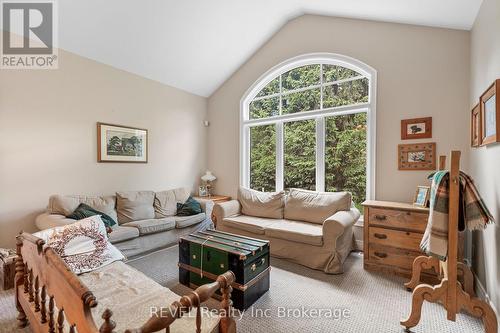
(392,256)
(400,219)
(394,238)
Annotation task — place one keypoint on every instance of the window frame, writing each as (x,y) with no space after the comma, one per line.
(319,115)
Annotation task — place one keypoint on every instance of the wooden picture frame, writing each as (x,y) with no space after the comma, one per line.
(422,195)
(490,114)
(475,127)
(416,128)
(121,144)
(417,156)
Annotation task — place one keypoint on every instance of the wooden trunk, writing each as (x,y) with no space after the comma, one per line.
(203,255)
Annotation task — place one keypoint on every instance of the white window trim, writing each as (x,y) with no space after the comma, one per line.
(302,60)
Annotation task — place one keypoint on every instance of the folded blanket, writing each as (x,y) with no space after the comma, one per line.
(473,213)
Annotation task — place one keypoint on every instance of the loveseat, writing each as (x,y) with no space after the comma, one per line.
(310,228)
(146,220)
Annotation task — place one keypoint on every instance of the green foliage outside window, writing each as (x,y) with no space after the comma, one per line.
(345,155)
(300,154)
(345,135)
(263,158)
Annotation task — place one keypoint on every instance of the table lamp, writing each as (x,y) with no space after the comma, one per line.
(208,178)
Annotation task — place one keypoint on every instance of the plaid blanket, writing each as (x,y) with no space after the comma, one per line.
(473,213)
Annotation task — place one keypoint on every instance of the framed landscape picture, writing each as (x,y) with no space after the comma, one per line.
(475,127)
(116,143)
(416,128)
(490,114)
(417,156)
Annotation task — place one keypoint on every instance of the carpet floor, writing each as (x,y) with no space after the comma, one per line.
(356,301)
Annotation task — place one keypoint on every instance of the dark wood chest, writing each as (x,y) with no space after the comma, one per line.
(206,254)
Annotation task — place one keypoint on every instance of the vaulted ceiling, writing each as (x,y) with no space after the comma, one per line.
(195,45)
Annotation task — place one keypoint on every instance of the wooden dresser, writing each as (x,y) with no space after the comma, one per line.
(392,235)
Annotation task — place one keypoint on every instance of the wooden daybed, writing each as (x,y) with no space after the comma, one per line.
(50,297)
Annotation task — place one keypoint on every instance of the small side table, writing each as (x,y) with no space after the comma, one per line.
(216,199)
(8,271)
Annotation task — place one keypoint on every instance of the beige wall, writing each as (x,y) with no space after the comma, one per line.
(485,162)
(421,72)
(48,136)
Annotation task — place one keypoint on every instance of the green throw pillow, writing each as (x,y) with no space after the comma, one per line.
(84,211)
(190,207)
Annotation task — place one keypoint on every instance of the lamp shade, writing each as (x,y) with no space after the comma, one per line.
(208,177)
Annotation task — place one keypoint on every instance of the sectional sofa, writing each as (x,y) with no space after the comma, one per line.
(146,220)
(311,228)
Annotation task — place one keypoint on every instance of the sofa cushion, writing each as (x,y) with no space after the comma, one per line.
(315,207)
(296,231)
(261,204)
(186,221)
(152,226)
(189,208)
(66,204)
(133,297)
(121,233)
(251,224)
(135,206)
(165,203)
(84,211)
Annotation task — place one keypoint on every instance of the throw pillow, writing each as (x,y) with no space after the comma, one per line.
(84,211)
(82,245)
(190,207)
(261,204)
(135,206)
(315,207)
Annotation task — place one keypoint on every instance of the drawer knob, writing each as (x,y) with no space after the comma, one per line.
(380,217)
(381,255)
(380,236)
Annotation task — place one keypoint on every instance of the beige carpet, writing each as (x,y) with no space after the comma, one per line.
(370,302)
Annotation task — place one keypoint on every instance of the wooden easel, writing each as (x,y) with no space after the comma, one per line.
(450,291)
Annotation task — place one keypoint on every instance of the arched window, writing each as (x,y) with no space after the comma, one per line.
(310,123)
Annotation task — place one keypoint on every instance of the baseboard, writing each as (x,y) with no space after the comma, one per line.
(483,294)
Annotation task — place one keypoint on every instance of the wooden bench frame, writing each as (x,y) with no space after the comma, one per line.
(44,285)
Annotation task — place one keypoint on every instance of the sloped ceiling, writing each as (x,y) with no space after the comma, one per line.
(195,45)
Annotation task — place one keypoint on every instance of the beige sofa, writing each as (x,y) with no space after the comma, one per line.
(146,220)
(310,228)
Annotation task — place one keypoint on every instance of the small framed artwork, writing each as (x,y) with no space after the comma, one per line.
(475,127)
(417,128)
(490,114)
(202,191)
(116,143)
(417,156)
(422,196)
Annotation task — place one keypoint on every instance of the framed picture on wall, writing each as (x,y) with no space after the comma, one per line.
(475,127)
(417,156)
(416,128)
(117,143)
(490,114)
